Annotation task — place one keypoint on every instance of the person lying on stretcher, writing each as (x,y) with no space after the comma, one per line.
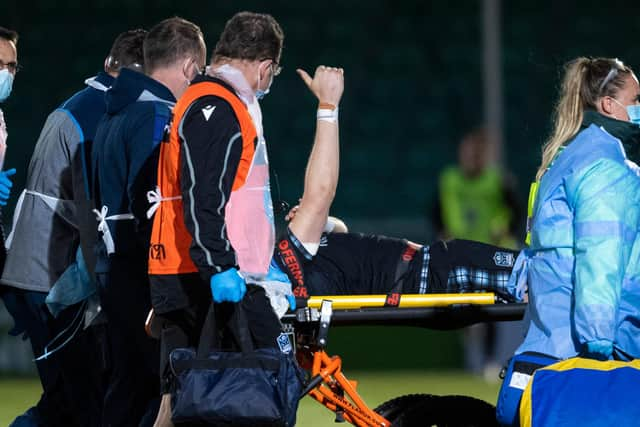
(318,255)
(345,263)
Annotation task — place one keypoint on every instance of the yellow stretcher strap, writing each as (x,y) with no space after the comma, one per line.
(346,302)
(533,193)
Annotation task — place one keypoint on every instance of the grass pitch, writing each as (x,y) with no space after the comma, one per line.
(18,394)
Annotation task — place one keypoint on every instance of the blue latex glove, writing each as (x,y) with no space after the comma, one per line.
(228,286)
(598,350)
(275,274)
(292,302)
(5,185)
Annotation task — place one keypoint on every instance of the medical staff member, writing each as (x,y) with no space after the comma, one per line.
(582,267)
(44,244)
(213,228)
(8,70)
(125,159)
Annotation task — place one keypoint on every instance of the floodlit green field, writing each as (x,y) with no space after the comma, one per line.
(376,387)
(16,395)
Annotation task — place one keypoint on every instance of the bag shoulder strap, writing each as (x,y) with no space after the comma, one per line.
(208,335)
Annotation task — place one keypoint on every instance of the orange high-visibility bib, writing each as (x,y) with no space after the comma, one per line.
(170,239)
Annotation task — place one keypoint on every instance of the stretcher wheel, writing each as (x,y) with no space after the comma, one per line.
(449,411)
(394,408)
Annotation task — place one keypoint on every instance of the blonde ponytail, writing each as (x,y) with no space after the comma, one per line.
(568,113)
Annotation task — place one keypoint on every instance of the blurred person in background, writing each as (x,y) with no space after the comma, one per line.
(125,161)
(45,282)
(477,201)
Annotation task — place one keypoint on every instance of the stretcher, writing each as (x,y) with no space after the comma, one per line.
(326,383)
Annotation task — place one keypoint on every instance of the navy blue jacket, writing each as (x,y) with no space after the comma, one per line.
(125,159)
(86,108)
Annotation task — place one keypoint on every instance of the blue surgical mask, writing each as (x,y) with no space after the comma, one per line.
(262,93)
(6,83)
(633,111)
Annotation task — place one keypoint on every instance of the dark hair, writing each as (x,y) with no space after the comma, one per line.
(478,136)
(126,50)
(250,36)
(171,40)
(9,35)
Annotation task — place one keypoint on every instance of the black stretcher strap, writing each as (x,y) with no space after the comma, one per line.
(394,295)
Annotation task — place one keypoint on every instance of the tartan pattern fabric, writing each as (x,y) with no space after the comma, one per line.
(424,273)
(465,279)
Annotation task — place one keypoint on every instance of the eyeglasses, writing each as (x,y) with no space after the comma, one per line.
(276,69)
(13,66)
(200,70)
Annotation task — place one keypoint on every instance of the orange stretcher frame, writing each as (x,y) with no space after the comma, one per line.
(339,395)
(329,386)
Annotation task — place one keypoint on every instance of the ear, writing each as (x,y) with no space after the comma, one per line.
(186,62)
(107,63)
(263,68)
(605,105)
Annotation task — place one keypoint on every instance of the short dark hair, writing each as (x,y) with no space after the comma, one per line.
(250,36)
(126,50)
(170,41)
(9,35)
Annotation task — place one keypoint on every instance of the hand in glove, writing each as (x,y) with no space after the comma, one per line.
(598,350)
(5,185)
(228,286)
(275,274)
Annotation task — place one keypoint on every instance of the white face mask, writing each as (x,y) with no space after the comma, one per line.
(6,83)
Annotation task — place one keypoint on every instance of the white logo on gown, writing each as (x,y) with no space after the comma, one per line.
(208,111)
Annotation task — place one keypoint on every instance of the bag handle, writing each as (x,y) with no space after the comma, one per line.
(237,324)
(208,335)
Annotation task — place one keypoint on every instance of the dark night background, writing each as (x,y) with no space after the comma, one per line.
(413,87)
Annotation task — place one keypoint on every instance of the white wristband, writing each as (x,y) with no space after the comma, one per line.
(327,115)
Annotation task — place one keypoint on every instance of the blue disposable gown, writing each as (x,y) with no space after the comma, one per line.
(582,267)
